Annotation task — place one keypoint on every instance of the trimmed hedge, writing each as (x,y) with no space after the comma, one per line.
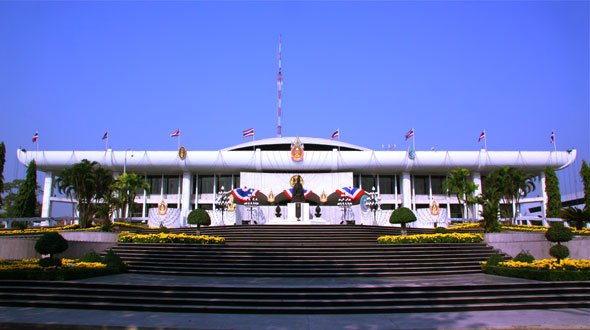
(126,237)
(29,269)
(534,274)
(431,238)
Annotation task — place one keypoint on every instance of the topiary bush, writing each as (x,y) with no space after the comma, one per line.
(524,256)
(402,216)
(494,259)
(200,218)
(114,262)
(558,233)
(20,225)
(51,243)
(50,262)
(91,257)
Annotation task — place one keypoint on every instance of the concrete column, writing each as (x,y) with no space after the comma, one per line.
(196,183)
(144,201)
(187,179)
(478,191)
(395,178)
(406,190)
(543,188)
(47,193)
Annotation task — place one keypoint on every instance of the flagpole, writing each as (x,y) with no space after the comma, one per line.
(106,144)
(485,140)
(554,141)
(414,140)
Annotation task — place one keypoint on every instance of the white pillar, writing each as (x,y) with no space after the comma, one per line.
(187,179)
(196,183)
(47,192)
(543,188)
(478,191)
(395,178)
(144,202)
(406,190)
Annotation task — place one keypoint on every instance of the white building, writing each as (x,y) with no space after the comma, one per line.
(408,179)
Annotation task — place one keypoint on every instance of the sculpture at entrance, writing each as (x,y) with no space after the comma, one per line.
(298,191)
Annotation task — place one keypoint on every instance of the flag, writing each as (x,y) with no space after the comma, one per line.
(336,134)
(410,134)
(35,137)
(552,138)
(482,136)
(248,132)
(176,133)
(106,135)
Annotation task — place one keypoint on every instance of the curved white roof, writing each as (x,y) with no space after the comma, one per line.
(286,141)
(364,161)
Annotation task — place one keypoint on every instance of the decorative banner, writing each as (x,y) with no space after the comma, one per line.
(365,204)
(243,194)
(289,193)
(297,150)
(182,153)
(162,207)
(411,153)
(352,192)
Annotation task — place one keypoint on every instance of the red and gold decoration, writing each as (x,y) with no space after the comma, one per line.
(297,149)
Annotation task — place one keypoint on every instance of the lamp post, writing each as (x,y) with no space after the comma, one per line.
(374,202)
(251,203)
(344,203)
(222,201)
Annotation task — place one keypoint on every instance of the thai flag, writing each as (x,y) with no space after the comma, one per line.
(248,132)
(176,133)
(35,137)
(482,136)
(352,192)
(552,137)
(106,135)
(410,134)
(289,193)
(244,194)
(336,134)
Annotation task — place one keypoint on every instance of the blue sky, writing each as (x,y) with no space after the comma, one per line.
(72,70)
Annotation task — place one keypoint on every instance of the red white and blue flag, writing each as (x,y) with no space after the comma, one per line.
(176,133)
(552,138)
(35,137)
(336,134)
(482,136)
(248,132)
(244,194)
(289,193)
(353,193)
(410,134)
(106,135)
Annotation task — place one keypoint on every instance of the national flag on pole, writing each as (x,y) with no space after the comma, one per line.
(248,132)
(176,133)
(552,137)
(410,134)
(106,135)
(482,136)
(336,134)
(35,137)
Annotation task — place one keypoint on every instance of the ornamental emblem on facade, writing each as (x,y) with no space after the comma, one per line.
(297,150)
(294,180)
(182,153)
(434,208)
(162,207)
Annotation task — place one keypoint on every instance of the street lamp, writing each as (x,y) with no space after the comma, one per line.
(251,203)
(222,201)
(373,203)
(344,203)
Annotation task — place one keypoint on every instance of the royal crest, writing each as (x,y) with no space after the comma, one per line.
(182,153)
(434,208)
(162,207)
(297,150)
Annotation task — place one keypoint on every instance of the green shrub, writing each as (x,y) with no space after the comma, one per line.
(539,275)
(91,257)
(402,216)
(524,256)
(51,243)
(114,262)
(106,226)
(559,251)
(494,259)
(431,238)
(20,225)
(440,230)
(50,262)
(163,229)
(558,233)
(199,217)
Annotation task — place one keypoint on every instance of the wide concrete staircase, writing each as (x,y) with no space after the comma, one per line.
(303,251)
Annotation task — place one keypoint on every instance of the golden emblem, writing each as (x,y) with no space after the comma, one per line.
(162,207)
(271,197)
(231,206)
(294,179)
(323,197)
(182,153)
(434,208)
(297,151)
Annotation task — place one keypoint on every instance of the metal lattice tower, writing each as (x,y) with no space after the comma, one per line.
(280,91)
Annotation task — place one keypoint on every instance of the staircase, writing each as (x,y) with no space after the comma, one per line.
(303,251)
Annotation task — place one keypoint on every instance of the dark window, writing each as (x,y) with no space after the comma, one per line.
(387,184)
(388,206)
(356,181)
(236,181)
(206,184)
(421,185)
(155,183)
(206,206)
(224,181)
(436,183)
(456,211)
(172,183)
(368,182)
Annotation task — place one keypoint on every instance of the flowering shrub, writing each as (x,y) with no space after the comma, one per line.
(465,225)
(29,269)
(544,269)
(126,237)
(526,228)
(552,264)
(432,238)
(128,225)
(43,230)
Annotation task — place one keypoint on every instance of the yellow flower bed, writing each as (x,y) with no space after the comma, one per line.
(525,228)
(465,225)
(43,230)
(548,264)
(33,264)
(129,225)
(126,237)
(431,238)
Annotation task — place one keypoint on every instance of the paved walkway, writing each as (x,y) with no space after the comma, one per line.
(49,318)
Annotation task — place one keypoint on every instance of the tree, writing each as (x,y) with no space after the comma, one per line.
(86,182)
(552,192)
(514,183)
(460,184)
(126,186)
(576,216)
(559,233)
(585,174)
(2,162)
(25,203)
(402,216)
(199,217)
(51,243)
(490,201)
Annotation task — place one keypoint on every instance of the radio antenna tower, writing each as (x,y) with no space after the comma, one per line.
(280,90)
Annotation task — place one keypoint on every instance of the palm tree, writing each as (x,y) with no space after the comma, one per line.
(514,184)
(459,183)
(576,216)
(126,186)
(86,182)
